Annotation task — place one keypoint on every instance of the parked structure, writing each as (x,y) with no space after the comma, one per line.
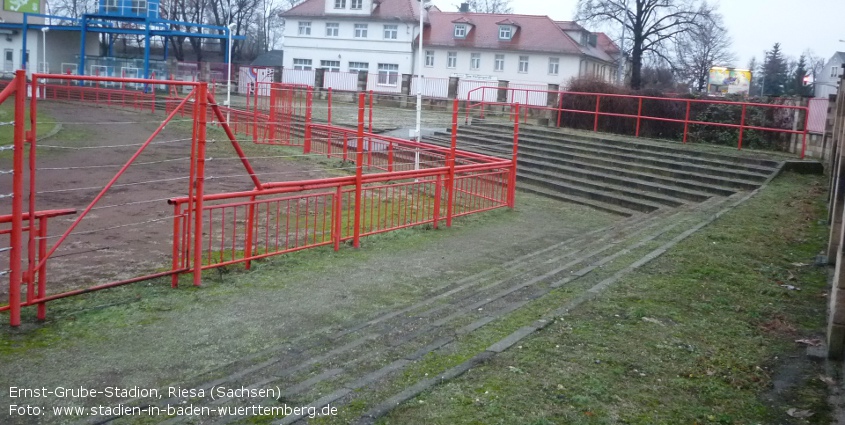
(827,83)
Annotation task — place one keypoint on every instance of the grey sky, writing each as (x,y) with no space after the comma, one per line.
(754,25)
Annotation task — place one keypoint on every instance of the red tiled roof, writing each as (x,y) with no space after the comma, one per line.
(605,43)
(534,33)
(569,26)
(404,10)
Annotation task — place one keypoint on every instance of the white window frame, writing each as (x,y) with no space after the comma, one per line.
(554,66)
(332,29)
(475,61)
(305,28)
(505,32)
(361,30)
(499,65)
(388,74)
(359,66)
(834,71)
(429,58)
(330,65)
(8,60)
(523,64)
(460,30)
(356,4)
(340,4)
(391,32)
(451,60)
(302,64)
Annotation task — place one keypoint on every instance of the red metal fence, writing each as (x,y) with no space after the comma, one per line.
(658,117)
(396,184)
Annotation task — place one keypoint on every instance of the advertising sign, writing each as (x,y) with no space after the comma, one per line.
(729,81)
(22,6)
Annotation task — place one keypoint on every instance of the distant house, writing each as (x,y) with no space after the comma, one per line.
(274,58)
(827,83)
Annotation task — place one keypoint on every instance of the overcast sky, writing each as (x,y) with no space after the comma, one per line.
(754,25)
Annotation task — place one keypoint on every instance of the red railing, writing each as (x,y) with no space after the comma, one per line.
(638,119)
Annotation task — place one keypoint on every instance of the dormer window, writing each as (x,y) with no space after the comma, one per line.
(340,4)
(585,38)
(505,32)
(356,4)
(460,30)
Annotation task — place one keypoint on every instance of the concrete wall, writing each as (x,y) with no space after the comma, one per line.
(836,316)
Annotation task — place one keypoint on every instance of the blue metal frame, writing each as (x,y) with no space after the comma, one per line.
(105,24)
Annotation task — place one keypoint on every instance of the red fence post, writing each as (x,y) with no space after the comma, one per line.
(450,182)
(272,118)
(177,249)
(250,225)
(42,271)
(30,139)
(369,139)
(359,159)
(742,125)
(804,138)
(201,103)
(338,218)
(639,116)
(309,99)
(15,256)
(596,123)
(686,122)
(512,182)
(437,194)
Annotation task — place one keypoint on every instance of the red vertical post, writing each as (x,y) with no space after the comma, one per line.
(201,103)
(742,125)
(272,115)
(686,122)
(30,138)
(450,182)
(512,180)
(15,256)
(639,116)
(248,232)
(390,156)
(369,139)
(309,99)
(359,159)
(329,139)
(174,279)
(255,114)
(345,146)
(437,194)
(598,103)
(338,218)
(42,271)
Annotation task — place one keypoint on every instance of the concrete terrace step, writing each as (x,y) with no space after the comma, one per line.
(528,186)
(631,154)
(627,197)
(564,148)
(532,162)
(639,144)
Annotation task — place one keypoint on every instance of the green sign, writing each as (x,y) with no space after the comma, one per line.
(22,6)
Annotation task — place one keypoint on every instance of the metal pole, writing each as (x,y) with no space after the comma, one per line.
(419,88)
(44,49)
(229,29)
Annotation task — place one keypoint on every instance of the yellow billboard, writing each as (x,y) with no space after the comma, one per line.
(724,81)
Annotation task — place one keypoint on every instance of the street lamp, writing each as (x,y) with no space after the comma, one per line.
(419,87)
(44,48)
(230,28)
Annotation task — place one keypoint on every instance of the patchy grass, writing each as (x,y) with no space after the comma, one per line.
(44,125)
(700,336)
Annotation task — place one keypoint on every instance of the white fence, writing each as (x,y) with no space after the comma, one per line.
(431,87)
(472,90)
(528,94)
(384,83)
(299,76)
(817,121)
(346,81)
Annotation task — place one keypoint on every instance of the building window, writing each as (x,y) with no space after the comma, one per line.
(360,30)
(388,74)
(359,66)
(500,63)
(302,64)
(8,60)
(460,30)
(523,64)
(304,28)
(554,66)
(429,58)
(332,29)
(390,32)
(333,66)
(505,32)
(139,7)
(109,5)
(356,4)
(452,60)
(475,60)
(340,4)
(834,71)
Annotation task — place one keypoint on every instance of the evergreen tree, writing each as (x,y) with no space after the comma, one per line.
(797,84)
(776,80)
(756,77)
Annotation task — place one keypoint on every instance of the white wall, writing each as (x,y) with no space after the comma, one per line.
(33,45)
(538,66)
(346,48)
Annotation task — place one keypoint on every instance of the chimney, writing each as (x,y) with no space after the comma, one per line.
(464,7)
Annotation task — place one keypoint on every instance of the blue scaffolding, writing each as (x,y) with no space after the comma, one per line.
(144,16)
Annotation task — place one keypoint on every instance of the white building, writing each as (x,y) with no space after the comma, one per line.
(379,36)
(827,82)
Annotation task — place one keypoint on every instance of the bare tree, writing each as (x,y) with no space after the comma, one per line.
(701,48)
(651,26)
(490,6)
